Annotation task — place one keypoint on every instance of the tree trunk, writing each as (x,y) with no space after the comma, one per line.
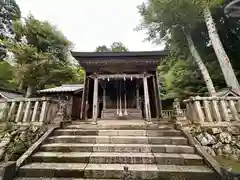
(222,56)
(201,66)
(29,92)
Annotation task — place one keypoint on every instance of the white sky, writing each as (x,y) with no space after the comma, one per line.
(90,23)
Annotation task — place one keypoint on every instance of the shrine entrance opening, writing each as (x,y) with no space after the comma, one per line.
(120,85)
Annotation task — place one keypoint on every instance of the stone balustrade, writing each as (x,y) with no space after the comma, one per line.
(37,111)
(167,114)
(213,110)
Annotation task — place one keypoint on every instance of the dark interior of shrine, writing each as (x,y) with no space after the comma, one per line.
(114,87)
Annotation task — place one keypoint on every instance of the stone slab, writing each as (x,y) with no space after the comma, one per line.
(118,132)
(72,147)
(119,140)
(118,158)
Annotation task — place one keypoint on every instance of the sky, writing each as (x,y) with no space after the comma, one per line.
(90,23)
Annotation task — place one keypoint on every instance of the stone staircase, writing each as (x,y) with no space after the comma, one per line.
(102,151)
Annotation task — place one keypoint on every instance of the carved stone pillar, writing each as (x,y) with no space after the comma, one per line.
(146,99)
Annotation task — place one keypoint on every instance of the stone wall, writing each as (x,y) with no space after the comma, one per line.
(15,140)
(224,141)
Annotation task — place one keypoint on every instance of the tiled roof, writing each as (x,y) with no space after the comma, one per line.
(64,88)
(9,95)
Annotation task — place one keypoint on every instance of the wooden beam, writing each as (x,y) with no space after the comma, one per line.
(121,76)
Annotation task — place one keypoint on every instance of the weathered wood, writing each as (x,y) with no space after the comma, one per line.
(19,112)
(95,100)
(83,96)
(159,94)
(199,111)
(104,98)
(216,112)
(137,98)
(43,112)
(86,101)
(121,76)
(207,111)
(35,111)
(146,98)
(224,110)
(27,112)
(156,98)
(233,110)
(11,111)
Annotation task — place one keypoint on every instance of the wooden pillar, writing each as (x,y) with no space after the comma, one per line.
(83,104)
(159,95)
(95,100)
(137,98)
(104,97)
(86,104)
(125,99)
(156,98)
(146,98)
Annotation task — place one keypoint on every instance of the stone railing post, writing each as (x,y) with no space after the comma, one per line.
(27,111)
(43,112)
(19,112)
(233,110)
(178,112)
(224,110)
(199,110)
(35,111)
(11,111)
(207,110)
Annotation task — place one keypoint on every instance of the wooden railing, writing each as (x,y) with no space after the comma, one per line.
(29,110)
(213,109)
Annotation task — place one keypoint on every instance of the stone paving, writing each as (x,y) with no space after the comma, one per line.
(85,151)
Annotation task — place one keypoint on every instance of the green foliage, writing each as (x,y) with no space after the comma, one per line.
(167,21)
(6,75)
(9,11)
(41,57)
(115,47)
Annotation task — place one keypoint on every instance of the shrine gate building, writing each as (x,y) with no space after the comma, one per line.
(120,85)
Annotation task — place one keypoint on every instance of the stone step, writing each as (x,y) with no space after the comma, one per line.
(118,158)
(115,171)
(137,148)
(118,132)
(89,126)
(118,140)
(68,178)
